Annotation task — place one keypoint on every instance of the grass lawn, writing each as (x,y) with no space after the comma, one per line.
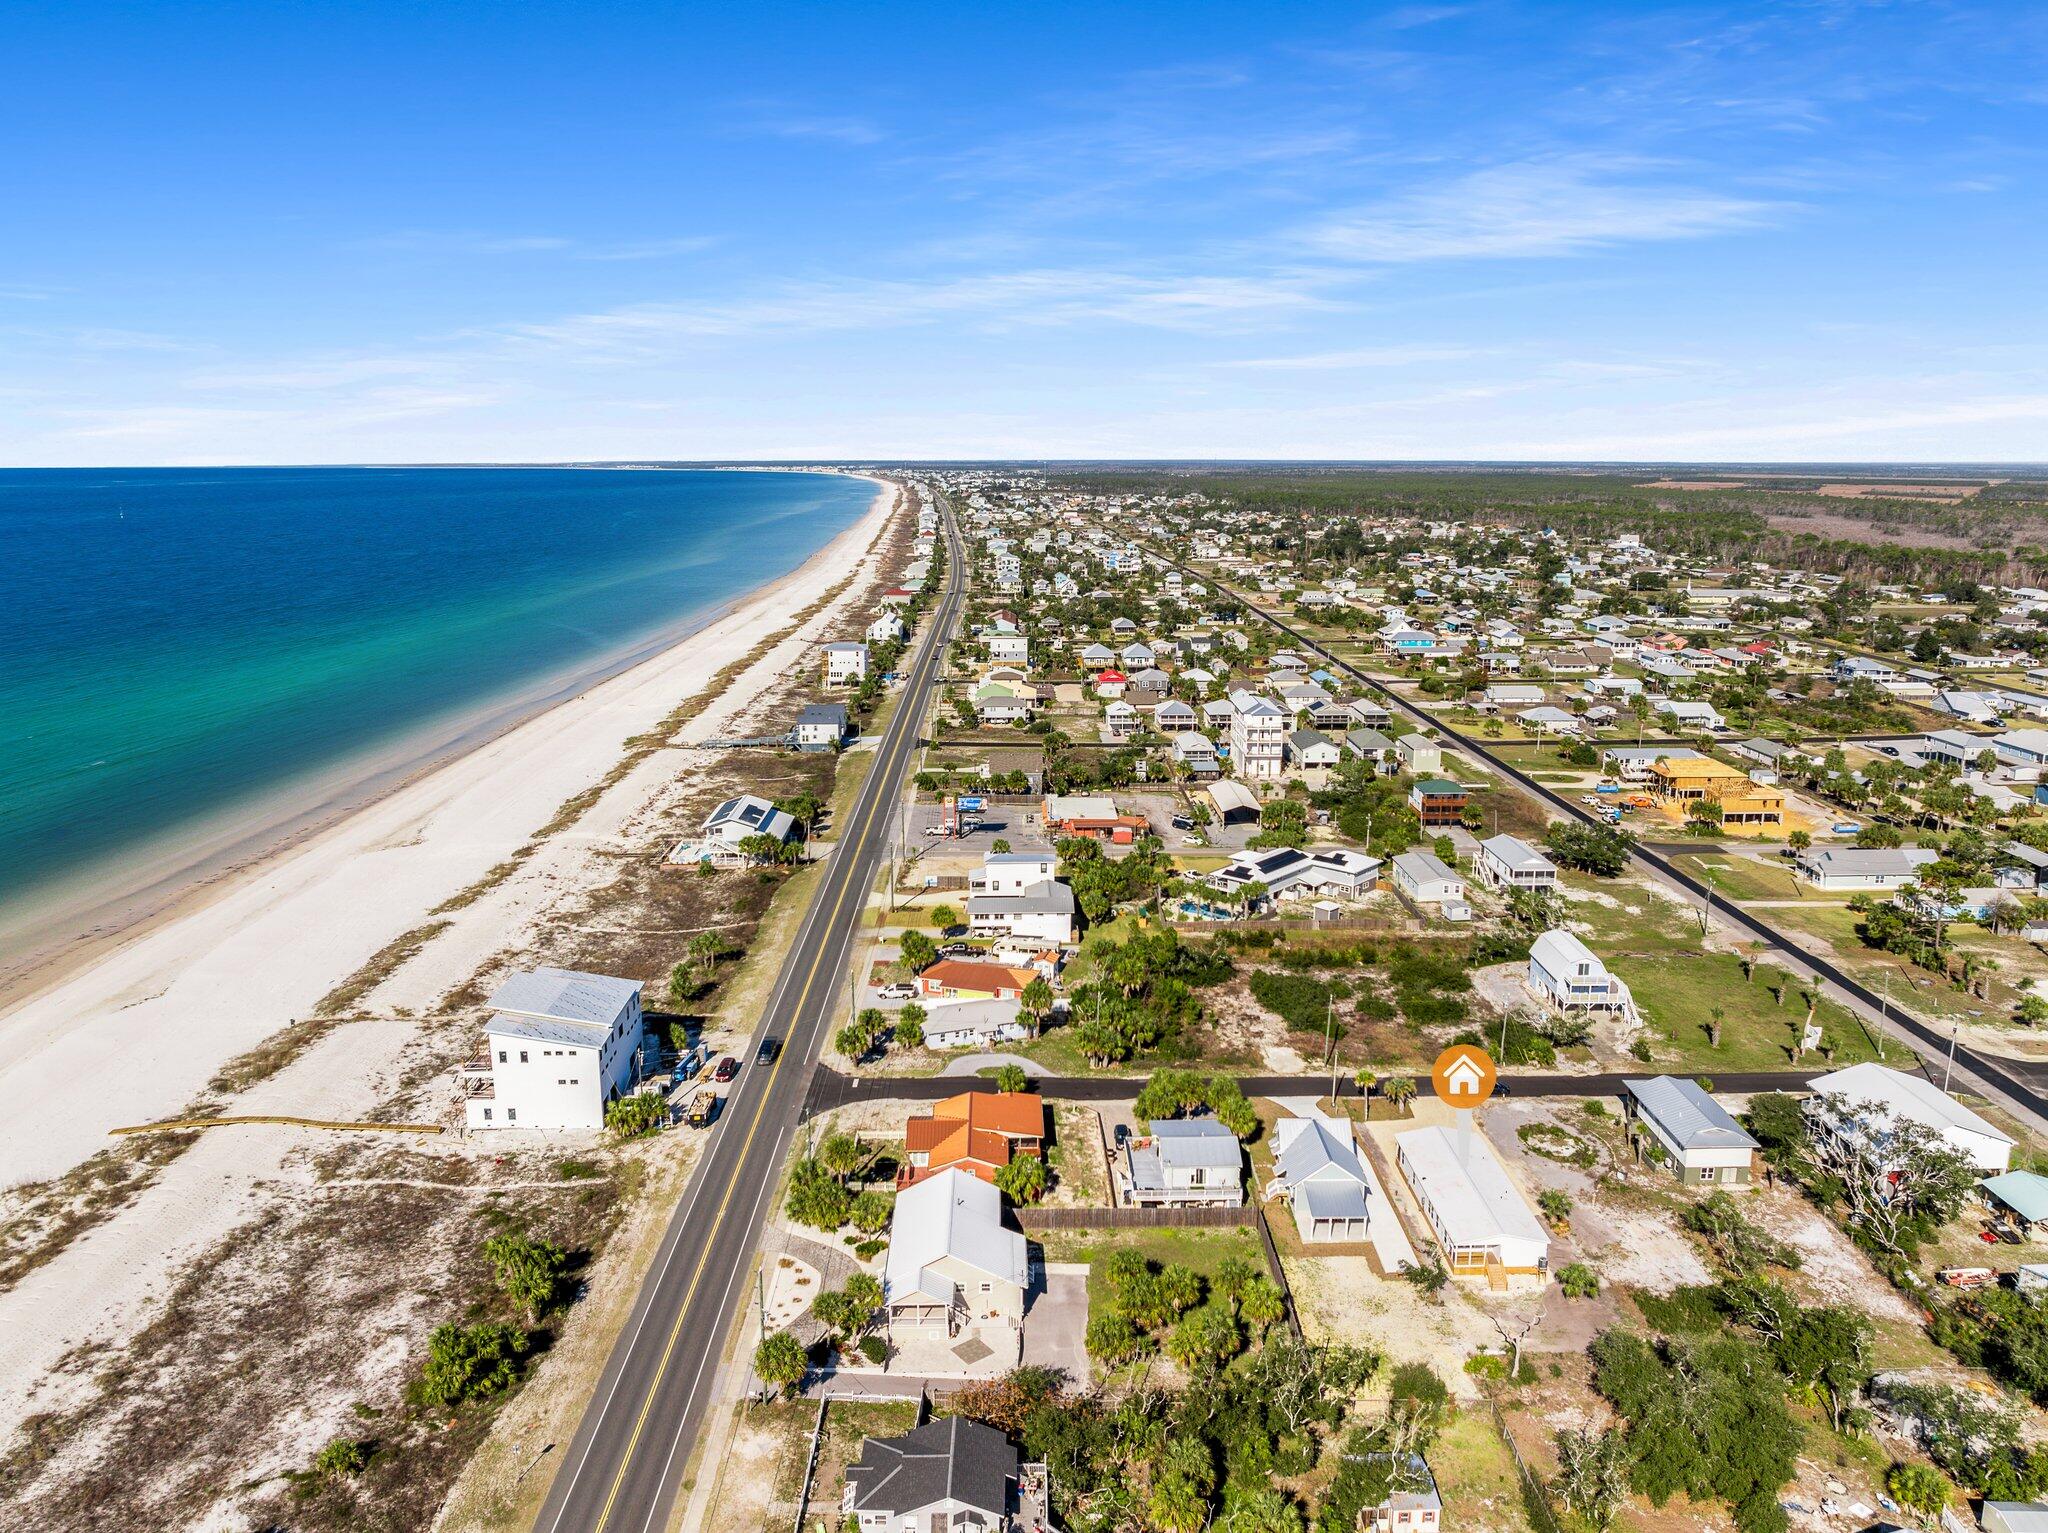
(1744,878)
(1927,994)
(1476,1474)
(1202,1249)
(1625,915)
(1677,992)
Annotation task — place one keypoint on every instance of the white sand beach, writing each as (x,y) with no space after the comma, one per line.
(137,1036)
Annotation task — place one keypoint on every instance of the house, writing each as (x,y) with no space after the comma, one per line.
(1632,763)
(1195,753)
(1184,1163)
(1551,721)
(1258,736)
(1174,717)
(953,1266)
(1004,702)
(1011,872)
(1419,754)
(1316,1168)
(820,727)
(1514,694)
(2022,747)
(1289,873)
(1702,1144)
(1042,913)
(1509,862)
(971,1024)
(846,663)
(1110,685)
(1567,975)
(1369,745)
(1689,715)
(950,1473)
(747,815)
(887,628)
(1412,1503)
(1439,802)
(978,1132)
(2019,1200)
(2014,1516)
(1311,750)
(1009,649)
(1678,783)
(1864,1102)
(1765,753)
(1424,879)
(1838,868)
(960,979)
(1120,719)
(559,1045)
(1482,1225)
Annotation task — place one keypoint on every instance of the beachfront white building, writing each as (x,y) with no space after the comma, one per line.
(846,664)
(559,1046)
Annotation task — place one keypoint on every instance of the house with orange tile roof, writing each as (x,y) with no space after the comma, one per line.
(962,979)
(978,1132)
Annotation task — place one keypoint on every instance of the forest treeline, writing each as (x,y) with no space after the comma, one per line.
(2006,524)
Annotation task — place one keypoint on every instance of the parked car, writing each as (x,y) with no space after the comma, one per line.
(770,1047)
(703,1109)
(960,950)
(728,1067)
(1183,822)
(901,990)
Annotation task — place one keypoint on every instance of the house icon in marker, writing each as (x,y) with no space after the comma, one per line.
(1463,1076)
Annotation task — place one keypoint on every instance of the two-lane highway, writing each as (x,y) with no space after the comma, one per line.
(623,1468)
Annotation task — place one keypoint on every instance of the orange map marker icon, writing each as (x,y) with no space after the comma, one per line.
(1464,1075)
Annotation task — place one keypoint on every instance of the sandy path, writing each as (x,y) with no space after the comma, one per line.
(139,1035)
(413,850)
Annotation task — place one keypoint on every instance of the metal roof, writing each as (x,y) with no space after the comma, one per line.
(1694,1120)
(2025,1193)
(1196,1142)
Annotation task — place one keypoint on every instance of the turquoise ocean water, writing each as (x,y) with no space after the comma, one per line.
(175,643)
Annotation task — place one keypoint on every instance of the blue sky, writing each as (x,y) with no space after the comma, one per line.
(1486,230)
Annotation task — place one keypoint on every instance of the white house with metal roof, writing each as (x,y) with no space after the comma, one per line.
(1569,976)
(953,1267)
(1509,862)
(1844,868)
(558,1046)
(1317,1169)
(1184,1163)
(1482,1224)
(1866,1102)
(1702,1144)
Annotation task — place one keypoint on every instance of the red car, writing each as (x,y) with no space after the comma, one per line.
(728,1067)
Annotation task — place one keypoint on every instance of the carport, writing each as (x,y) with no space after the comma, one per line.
(1233,802)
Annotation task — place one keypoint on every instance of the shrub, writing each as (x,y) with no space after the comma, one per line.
(636,1116)
(529,1271)
(1578,1281)
(344,1458)
(1694,1308)
(469,1363)
(874,1349)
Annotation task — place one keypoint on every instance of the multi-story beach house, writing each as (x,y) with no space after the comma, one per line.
(846,663)
(1258,736)
(559,1045)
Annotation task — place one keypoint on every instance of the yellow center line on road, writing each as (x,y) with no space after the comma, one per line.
(867,819)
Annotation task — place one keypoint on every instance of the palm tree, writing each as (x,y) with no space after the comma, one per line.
(1400,1091)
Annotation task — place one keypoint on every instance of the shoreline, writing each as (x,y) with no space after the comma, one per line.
(56,935)
(116,1028)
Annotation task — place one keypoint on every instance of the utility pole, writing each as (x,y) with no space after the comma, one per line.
(1330,1039)
(1954,1028)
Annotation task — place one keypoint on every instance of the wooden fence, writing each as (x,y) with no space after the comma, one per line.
(1133,1218)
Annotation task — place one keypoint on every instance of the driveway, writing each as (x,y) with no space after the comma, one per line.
(1056,1322)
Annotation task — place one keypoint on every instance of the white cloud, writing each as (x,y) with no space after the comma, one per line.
(1548,207)
(1362,357)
